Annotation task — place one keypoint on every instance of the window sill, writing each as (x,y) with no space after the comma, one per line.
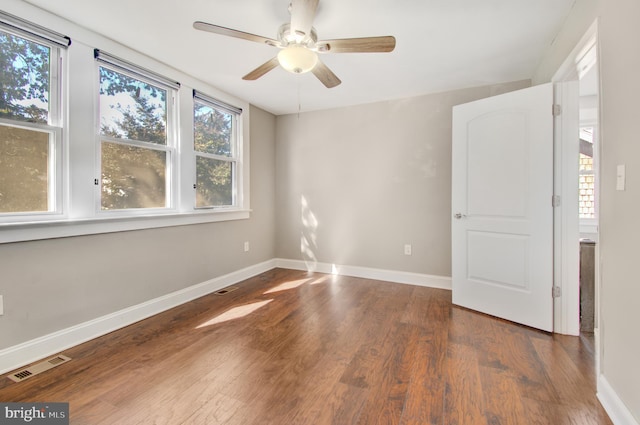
(20,232)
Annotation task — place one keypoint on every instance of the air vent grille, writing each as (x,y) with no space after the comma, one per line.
(225,291)
(23,375)
(38,368)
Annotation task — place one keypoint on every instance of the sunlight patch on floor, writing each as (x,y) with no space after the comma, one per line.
(287,285)
(235,313)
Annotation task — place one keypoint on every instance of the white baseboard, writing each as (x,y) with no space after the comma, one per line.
(441,282)
(28,352)
(616,409)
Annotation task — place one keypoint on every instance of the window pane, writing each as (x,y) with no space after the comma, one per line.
(24,79)
(213,130)
(132,109)
(587,186)
(133,177)
(214,182)
(586,163)
(24,170)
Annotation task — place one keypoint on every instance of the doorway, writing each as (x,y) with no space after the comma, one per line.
(588,196)
(580,220)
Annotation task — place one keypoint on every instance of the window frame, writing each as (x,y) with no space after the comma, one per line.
(57,45)
(171,147)
(236,150)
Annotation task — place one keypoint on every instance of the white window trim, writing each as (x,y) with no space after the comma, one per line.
(29,29)
(79,217)
(17,232)
(57,44)
(235,159)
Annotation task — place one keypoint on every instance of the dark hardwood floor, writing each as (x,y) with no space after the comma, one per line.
(291,348)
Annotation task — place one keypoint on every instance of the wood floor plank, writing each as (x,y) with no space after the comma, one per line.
(331,401)
(573,384)
(568,380)
(219,409)
(424,400)
(464,404)
(502,398)
(291,347)
(512,352)
(386,398)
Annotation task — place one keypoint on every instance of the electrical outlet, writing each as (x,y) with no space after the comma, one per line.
(407,249)
(246,247)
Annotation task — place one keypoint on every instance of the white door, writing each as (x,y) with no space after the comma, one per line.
(502,188)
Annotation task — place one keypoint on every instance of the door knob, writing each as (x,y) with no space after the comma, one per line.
(458,216)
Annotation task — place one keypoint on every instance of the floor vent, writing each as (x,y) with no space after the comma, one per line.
(38,368)
(225,291)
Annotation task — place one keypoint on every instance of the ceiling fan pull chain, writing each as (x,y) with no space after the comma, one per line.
(299,101)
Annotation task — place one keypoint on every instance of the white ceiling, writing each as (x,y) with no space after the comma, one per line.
(441,44)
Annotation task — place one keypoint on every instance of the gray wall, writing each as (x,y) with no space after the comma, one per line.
(619,61)
(54,284)
(353,185)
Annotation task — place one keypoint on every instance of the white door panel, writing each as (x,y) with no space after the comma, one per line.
(491,252)
(502,187)
(495,186)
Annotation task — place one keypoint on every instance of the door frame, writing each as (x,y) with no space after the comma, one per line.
(566,222)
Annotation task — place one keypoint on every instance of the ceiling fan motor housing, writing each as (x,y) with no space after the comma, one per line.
(286,37)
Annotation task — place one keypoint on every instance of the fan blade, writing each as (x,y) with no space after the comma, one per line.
(216,29)
(302,14)
(325,75)
(262,69)
(359,45)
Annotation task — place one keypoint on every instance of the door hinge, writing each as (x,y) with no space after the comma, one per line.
(556,292)
(556,201)
(556,110)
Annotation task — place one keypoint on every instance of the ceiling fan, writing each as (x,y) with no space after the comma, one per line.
(299,44)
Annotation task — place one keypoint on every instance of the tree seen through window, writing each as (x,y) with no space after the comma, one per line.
(133,117)
(214,143)
(25,151)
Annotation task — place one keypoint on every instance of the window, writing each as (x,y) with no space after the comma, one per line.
(30,119)
(137,147)
(587,185)
(215,143)
(129,158)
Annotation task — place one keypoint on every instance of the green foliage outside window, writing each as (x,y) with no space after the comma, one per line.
(24,170)
(213,135)
(213,130)
(24,98)
(132,110)
(24,79)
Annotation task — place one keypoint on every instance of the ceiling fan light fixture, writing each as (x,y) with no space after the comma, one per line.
(297,59)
